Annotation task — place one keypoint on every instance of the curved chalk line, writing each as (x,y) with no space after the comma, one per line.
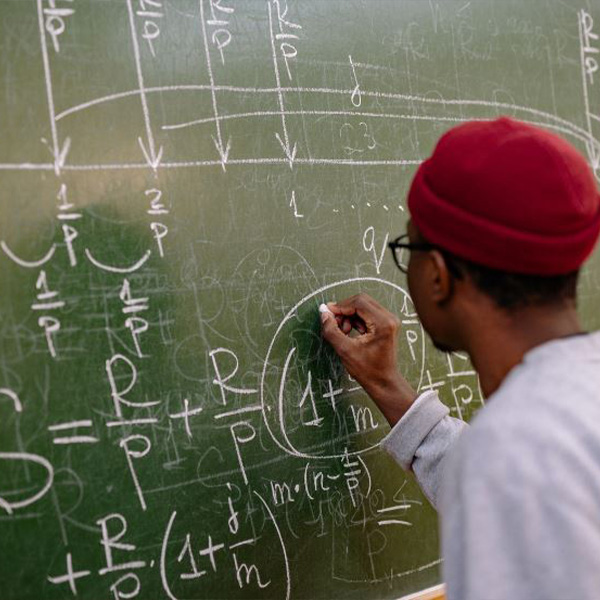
(290,449)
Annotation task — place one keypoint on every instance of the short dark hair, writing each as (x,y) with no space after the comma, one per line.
(511,291)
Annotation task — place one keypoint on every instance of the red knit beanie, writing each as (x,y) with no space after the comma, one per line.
(509,196)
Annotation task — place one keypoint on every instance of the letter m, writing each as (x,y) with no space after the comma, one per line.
(281,493)
(360,415)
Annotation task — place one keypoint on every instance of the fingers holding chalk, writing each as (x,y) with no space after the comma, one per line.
(345,323)
(324,309)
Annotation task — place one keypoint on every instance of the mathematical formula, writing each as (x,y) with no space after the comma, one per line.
(172,420)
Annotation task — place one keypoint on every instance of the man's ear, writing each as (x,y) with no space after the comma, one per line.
(441,281)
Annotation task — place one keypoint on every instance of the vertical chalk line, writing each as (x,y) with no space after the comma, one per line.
(586,97)
(286,140)
(592,148)
(154,157)
(49,93)
(223,152)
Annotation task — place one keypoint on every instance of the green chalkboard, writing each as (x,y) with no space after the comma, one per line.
(182,182)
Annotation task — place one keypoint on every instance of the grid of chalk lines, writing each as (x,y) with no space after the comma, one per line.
(285,34)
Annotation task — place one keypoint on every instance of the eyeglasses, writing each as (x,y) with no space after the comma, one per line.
(399,245)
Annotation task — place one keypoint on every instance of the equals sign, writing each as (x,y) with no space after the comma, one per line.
(74,438)
(395,521)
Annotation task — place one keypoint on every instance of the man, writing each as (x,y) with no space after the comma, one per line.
(503,214)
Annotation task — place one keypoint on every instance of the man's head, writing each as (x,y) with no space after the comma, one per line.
(511,211)
(447,289)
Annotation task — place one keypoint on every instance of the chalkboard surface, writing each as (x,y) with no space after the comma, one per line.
(182,182)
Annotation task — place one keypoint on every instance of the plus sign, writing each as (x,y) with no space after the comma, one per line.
(331,394)
(70,576)
(186,414)
(210,550)
(431,385)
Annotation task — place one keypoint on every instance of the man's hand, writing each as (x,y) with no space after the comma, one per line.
(370,356)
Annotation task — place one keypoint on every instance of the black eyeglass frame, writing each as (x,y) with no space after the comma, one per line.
(398,244)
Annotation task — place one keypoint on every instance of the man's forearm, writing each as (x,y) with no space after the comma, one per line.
(393,397)
(422,439)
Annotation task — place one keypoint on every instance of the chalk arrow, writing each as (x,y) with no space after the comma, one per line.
(289,152)
(59,153)
(593,150)
(223,152)
(152,157)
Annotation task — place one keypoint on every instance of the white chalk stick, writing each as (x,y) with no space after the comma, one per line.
(323,308)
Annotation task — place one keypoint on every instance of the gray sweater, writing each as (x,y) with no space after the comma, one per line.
(518,491)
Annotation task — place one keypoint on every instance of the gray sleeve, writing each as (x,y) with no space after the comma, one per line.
(520,514)
(421,439)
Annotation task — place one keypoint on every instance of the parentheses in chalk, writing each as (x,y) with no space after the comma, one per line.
(35,458)
(369,479)
(24,456)
(112,269)
(28,264)
(163,557)
(286,561)
(306,486)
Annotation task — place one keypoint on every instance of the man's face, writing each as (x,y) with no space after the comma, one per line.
(442,347)
(427,310)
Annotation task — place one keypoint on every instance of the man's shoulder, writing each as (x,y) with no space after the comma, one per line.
(542,420)
(540,396)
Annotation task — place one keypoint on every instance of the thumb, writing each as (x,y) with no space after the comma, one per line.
(332,333)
